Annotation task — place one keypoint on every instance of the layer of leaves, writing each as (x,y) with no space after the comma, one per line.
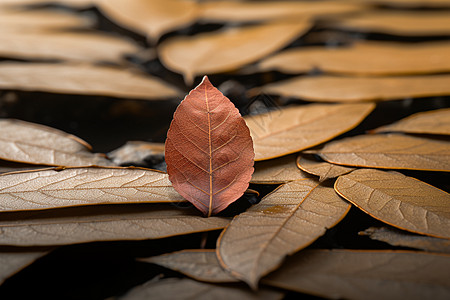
(288,130)
(402,238)
(279,170)
(13,262)
(367,58)
(209,53)
(389,151)
(102,223)
(83,79)
(137,153)
(83,186)
(398,200)
(429,122)
(37,144)
(327,88)
(285,221)
(350,274)
(320,168)
(209,151)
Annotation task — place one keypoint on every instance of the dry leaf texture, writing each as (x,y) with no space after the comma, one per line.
(83,186)
(227,50)
(102,223)
(350,274)
(368,58)
(429,122)
(402,238)
(83,80)
(137,152)
(13,262)
(209,151)
(201,265)
(279,170)
(285,221)
(389,151)
(186,289)
(322,169)
(398,200)
(328,88)
(288,130)
(37,144)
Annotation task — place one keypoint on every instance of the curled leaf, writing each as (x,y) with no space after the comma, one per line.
(209,151)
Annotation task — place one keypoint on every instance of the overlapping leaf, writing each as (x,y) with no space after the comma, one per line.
(102,223)
(13,262)
(402,238)
(351,274)
(367,58)
(322,169)
(288,130)
(83,80)
(285,221)
(37,144)
(398,200)
(43,189)
(279,170)
(209,152)
(225,51)
(137,153)
(429,122)
(389,151)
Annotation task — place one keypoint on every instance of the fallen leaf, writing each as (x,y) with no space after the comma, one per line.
(151,18)
(412,3)
(71,3)
(10,166)
(365,274)
(284,222)
(401,201)
(137,153)
(198,264)
(389,151)
(68,46)
(327,88)
(288,130)
(25,142)
(279,170)
(408,23)
(180,289)
(368,58)
(44,189)
(227,50)
(428,122)
(209,151)
(321,168)
(402,238)
(102,223)
(13,262)
(240,11)
(83,80)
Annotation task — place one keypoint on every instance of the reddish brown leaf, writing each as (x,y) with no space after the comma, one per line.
(209,151)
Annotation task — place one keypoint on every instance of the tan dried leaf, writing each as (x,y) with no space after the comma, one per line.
(402,238)
(38,144)
(13,262)
(411,3)
(151,18)
(389,151)
(83,80)
(285,221)
(68,46)
(369,274)
(288,130)
(71,3)
(368,58)
(428,122)
(136,152)
(10,166)
(401,201)
(409,23)
(44,189)
(201,265)
(320,168)
(240,11)
(279,170)
(227,50)
(102,223)
(186,289)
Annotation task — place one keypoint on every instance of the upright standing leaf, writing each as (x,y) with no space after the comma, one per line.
(209,151)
